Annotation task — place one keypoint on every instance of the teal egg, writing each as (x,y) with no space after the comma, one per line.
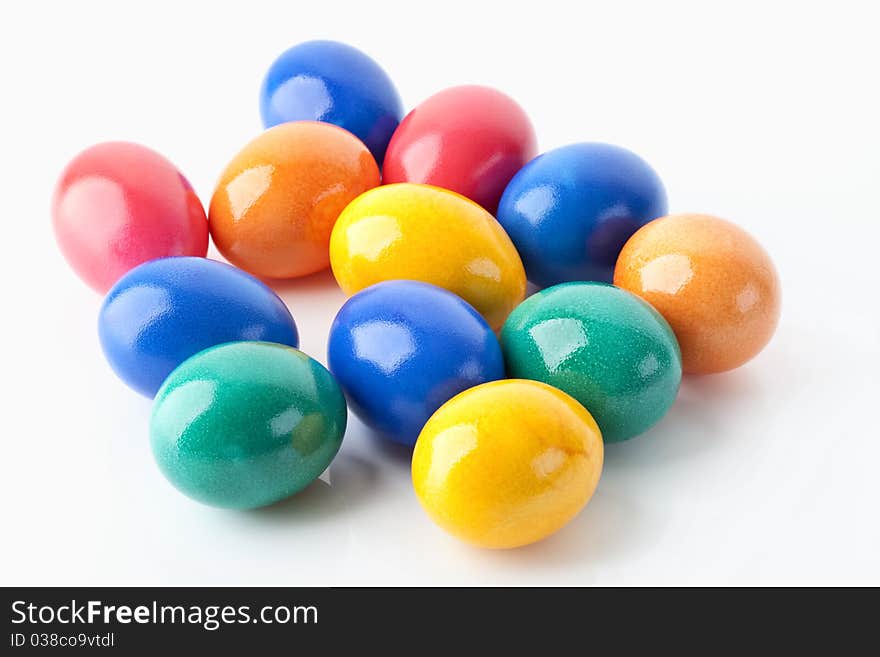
(246,424)
(603,346)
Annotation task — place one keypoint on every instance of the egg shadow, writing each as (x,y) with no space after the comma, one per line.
(366,437)
(609,528)
(347,482)
(390,451)
(612,524)
(706,406)
(319,282)
(313,302)
(355,478)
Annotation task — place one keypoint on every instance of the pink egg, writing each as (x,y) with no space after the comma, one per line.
(119,204)
(469,139)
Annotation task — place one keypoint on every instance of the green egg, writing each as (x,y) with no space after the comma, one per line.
(603,346)
(246,424)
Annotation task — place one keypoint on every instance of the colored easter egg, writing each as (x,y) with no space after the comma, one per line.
(469,139)
(424,233)
(507,463)
(278,199)
(714,284)
(400,349)
(119,204)
(246,424)
(603,346)
(334,83)
(166,310)
(570,211)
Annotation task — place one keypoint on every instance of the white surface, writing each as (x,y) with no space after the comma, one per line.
(764,113)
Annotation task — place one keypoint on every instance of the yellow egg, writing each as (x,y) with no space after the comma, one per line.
(425,233)
(507,463)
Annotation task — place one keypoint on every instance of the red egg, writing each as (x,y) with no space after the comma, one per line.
(469,139)
(119,204)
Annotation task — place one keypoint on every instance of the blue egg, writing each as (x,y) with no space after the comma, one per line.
(334,83)
(570,211)
(401,349)
(164,311)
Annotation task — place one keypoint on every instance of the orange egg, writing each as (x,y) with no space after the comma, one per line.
(276,202)
(714,284)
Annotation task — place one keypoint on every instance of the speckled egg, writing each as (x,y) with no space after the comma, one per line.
(119,204)
(603,346)
(166,310)
(469,139)
(507,463)
(570,210)
(714,284)
(428,234)
(276,202)
(400,349)
(335,83)
(246,424)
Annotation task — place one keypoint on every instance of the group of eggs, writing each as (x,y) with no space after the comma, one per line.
(507,400)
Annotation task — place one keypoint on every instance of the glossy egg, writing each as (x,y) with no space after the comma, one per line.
(166,310)
(278,199)
(507,463)
(119,204)
(246,424)
(400,349)
(424,233)
(469,139)
(570,211)
(714,284)
(335,83)
(603,346)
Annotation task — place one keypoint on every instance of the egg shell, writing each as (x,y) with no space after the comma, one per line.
(335,83)
(507,463)
(603,346)
(715,285)
(246,424)
(424,233)
(166,310)
(570,211)
(400,349)
(276,202)
(118,204)
(469,139)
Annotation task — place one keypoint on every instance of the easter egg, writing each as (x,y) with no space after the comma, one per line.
(507,463)
(334,83)
(119,204)
(246,424)
(469,139)
(400,349)
(278,199)
(424,233)
(603,346)
(570,211)
(166,310)
(714,284)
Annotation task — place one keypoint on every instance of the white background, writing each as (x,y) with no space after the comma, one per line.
(765,113)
